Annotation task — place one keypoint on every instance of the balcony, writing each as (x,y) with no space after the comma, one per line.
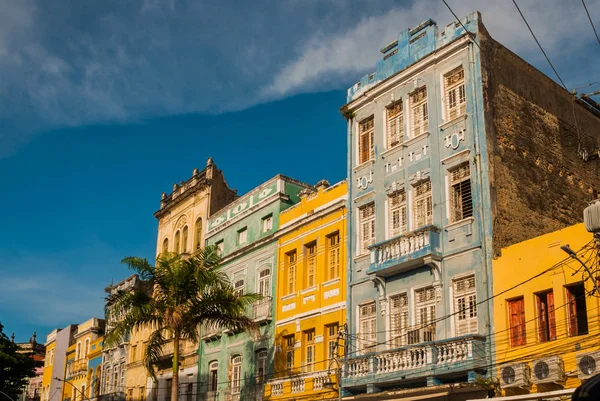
(300,383)
(78,367)
(260,311)
(417,361)
(210,332)
(405,252)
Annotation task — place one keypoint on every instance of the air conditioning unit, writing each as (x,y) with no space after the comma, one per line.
(515,375)
(588,364)
(548,370)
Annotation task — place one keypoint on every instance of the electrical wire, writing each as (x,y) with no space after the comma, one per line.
(591,22)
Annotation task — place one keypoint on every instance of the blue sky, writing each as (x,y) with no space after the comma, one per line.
(104,105)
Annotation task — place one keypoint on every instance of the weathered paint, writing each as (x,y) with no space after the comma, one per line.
(316,307)
(245,261)
(531,258)
(421,57)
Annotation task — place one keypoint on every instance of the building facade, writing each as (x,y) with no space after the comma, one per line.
(182,220)
(546,328)
(457,148)
(114,359)
(37,352)
(310,295)
(235,366)
(55,362)
(83,368)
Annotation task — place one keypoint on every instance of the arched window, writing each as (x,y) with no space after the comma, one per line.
(261,365)
(264,282)
(177,240)
(239,285)
(198,234)
(236,374)
(87,348)
(213,376)
(78,351)
(165,247)
(184,240)
(83,392)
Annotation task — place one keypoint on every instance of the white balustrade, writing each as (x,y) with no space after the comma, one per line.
(404,359)
(261,310)
(297,385)
(277,388)
(402,246)
(357,367)
(454,352)
(318,382)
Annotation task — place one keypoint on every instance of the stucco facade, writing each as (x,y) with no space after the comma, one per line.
(57,343)
(234,366)
(310,295)
(547,327)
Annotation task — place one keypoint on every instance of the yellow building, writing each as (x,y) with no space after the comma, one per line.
(182,224)
(546,328)
(53,379)
(48,366)
(311,295)
(83,361)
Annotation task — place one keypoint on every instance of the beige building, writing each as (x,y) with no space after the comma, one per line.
(181,228)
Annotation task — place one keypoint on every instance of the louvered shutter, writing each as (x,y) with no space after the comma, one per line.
(551,317)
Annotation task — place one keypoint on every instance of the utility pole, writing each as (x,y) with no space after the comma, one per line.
(336,358)
(79,391)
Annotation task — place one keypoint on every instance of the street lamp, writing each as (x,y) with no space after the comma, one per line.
(567,249)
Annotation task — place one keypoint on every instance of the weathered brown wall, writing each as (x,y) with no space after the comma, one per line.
(538,181)
(220,193)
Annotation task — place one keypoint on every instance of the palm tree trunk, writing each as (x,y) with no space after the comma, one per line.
(175,379)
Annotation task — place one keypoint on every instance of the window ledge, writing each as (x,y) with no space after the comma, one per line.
(459,223)
(455,120)
(288,297)
(365,164)
(309,289)
(391,150)
(331,282)
(415,139)
(359,258)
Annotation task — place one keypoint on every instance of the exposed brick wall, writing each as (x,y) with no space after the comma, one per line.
(538,181)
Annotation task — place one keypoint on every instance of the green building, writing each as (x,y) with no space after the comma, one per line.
(232,366)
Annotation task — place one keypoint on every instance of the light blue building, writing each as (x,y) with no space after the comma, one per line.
(418,216)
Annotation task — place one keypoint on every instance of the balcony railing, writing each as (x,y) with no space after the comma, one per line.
(260,311)
(404,252)
(417,358)
(300,383)
(77,367)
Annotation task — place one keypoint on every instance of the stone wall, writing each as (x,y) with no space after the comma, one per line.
(539,183)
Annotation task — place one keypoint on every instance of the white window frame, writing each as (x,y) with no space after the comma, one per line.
(371,133)
(309,347)
(239,286)
(363,222)
(236,374)
(367,327)
(333,255)
(454,90)
(261,365)
(398,330)
(464,303)
(425,329)
(213,367)
(242,236)
(456,177)
(392,141)
(402,209)
(423,218)
(264,282)
(267,223)
(419,107)
(289,352)
(311,263)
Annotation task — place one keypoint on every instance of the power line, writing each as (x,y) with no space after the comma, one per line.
(591,22)
(540,46)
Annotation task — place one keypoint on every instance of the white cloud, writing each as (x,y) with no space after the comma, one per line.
(325,60)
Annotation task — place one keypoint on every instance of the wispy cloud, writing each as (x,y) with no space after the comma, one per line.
(63,65)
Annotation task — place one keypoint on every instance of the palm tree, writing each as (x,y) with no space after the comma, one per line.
(179,296)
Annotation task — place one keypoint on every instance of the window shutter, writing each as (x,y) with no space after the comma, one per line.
(541,319)
(572,313)
(551,318)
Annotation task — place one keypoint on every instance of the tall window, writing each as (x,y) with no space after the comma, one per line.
(238,286)
(115,381)
(395,124)
(213,376)
(368,327)
(398,319)
(86,348)
(422,204)
(165,245)
(366,135)
(333,255)
(78,351)
(366,214)
(465,305)
(134,352)
(184,239)
(267,223)
(545,318)
(461,203)
(261,366)
(142,392)
(331,331)
(236,374)
(419,123)
(397,213)
(289,352)
(578,321)
(516,310)
(425,316)
(220,247)
(310,251)
(198,233)
(177,241)
(189,392)
(264,282)
(242,236)
(455,97)
(291,259)
(309,350)
(169,389)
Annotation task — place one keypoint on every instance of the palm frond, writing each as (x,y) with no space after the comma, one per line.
(154,351)
(141,266)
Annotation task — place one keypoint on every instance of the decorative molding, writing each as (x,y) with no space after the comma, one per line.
(452,122)
(453,140)
(463,154)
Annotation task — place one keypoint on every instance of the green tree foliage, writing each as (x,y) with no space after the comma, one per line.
(178,296)
(15,368)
